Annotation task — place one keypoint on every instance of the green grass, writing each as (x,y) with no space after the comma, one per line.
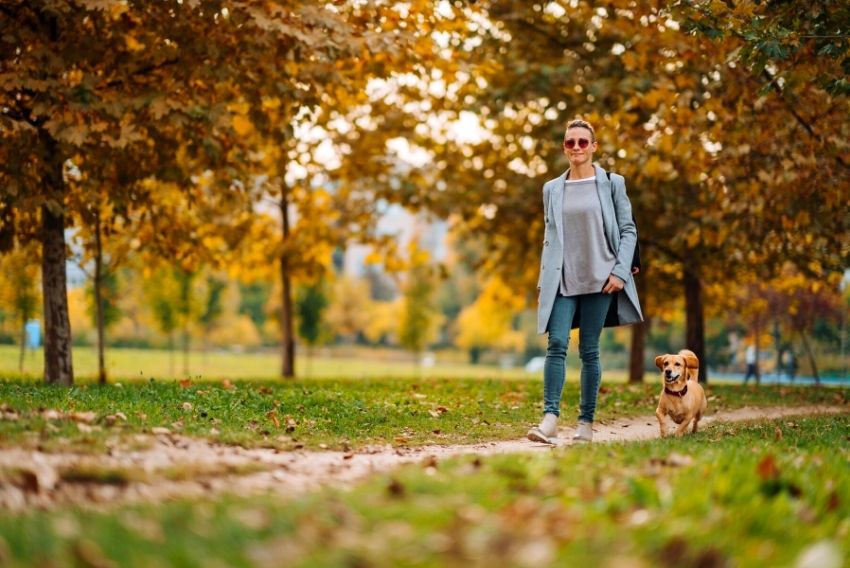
(755,494)
(132,364)
(338,414)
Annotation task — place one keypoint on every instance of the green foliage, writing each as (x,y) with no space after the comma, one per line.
(417,325)
(310,304)
(109,295)
(253,299)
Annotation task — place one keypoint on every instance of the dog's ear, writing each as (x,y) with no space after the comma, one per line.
(691,361)
(659,361)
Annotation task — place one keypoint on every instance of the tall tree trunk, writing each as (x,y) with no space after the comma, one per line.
(810,354)
(98,299)
(185,349)
(695,332)
(758,349)
(58,367)
(287,338)
(171,353)
(23,342)
(639,331)
(636,352)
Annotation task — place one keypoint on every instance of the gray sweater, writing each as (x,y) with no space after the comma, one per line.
(588,260)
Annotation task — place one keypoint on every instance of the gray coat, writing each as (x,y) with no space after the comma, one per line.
(620,232)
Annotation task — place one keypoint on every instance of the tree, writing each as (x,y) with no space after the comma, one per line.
(85,80)
(311,303)
(487,323)
(419,317)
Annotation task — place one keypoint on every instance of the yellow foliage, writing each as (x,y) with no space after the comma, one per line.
(78,314)
(235,330)
(487,322)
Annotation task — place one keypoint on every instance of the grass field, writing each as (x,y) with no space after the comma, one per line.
(335,413)
(127,364)
(761,494)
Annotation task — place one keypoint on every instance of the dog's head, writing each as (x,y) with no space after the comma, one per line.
(677,368)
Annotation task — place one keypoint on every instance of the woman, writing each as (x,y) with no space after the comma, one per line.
(585,274)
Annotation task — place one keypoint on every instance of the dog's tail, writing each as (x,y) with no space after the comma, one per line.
(692,363)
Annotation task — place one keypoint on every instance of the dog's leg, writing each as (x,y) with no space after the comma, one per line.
(697,418)
(684,426)
(660,415)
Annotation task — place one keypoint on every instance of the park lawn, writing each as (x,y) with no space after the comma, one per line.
(328,413)
(124,364)
(757,494)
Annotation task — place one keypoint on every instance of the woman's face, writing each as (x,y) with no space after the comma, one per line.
(579,146)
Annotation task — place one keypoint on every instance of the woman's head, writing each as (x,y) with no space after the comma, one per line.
(579,142)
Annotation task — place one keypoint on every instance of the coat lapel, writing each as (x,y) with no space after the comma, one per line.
(556,204)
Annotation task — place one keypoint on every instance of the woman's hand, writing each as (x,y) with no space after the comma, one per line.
(613,285)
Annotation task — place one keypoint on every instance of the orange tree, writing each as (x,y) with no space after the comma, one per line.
(86,80)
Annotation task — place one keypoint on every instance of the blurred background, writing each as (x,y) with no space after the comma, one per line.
(354,188)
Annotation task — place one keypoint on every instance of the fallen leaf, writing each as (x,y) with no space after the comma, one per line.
(265,390)
(159,430)
(767,469)
(85,417)
(227,385)
(272,415)
(395,488)
(185,383)
(777,433)
(51,414)
(186,406)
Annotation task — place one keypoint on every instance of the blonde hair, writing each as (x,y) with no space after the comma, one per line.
(579,123)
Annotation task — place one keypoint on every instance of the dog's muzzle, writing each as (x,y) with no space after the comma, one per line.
(669,377)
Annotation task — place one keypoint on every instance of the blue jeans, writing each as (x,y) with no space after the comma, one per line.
(594,307)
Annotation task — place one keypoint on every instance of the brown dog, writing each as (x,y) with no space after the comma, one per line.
(682,398)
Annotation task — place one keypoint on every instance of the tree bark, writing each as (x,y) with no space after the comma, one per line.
(810,354)
(639,331)
(287,338)
(23,342)
(58,368)
(695,323)
(98,299)
(636,352)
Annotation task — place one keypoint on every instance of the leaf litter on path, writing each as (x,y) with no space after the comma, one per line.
(165,465)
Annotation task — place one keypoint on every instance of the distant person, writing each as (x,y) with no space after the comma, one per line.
(791,365)
(752,363)
(586,272)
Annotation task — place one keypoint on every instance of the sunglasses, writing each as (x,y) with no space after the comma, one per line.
(582,143)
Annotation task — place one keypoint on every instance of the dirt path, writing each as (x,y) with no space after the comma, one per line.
(173,466)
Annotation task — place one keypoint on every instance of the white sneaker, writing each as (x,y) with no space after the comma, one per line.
(584,432)
(546,432)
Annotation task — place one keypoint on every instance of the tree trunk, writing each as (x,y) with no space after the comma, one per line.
(185,349)
(695,333)
(287,339)
(636,352)
(58,367)
(171,353)
(758,349)
(23,342)
(98,299)
(639,331)
(810,354)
